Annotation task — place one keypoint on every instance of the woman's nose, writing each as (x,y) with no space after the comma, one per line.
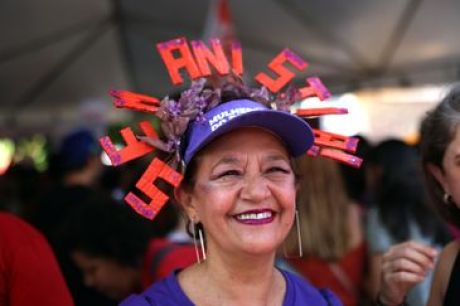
(255,189)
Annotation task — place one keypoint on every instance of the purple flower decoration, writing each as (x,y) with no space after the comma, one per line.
(261,95)
(285,99)
(194,102)
(174,109)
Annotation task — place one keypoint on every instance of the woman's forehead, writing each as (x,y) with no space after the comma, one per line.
(248,139)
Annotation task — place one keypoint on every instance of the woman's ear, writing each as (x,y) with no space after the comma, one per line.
(185,200)
(437,173)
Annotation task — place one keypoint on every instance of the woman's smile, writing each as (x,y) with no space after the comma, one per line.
(256,217)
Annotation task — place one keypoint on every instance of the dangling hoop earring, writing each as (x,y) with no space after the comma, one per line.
(199,258)
(299,238)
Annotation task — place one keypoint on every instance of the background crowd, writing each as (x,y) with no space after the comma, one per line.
(99,251)
(67,236)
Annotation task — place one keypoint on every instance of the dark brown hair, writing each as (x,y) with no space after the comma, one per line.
(438,130)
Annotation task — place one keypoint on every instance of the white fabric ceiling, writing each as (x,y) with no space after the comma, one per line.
(56,54)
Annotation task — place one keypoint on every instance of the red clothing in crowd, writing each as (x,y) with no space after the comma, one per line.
(163,257)
(345,279)
(29,273)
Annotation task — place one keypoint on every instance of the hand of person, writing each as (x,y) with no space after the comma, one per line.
(403,266)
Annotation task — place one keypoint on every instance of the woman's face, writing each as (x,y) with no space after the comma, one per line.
(449,177)
(244,192)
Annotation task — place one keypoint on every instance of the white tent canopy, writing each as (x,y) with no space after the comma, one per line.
(54,55)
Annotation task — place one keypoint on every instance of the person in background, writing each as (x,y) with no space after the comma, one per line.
(21,186)
(355,178)
(29,273)
(408,263)
(400,212)
(171,246)
(172,249)
(114,249)
(334,252)
(77,166)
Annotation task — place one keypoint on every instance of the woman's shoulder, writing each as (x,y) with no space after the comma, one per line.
(447,259)
(450,251)
(444,268)
(442,274)
(165,292)
(300,292)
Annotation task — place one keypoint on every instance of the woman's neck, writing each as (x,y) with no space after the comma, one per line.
(227,279)
(246,267)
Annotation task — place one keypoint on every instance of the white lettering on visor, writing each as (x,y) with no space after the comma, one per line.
(219,119)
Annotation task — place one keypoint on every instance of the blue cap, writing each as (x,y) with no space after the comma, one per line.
(292,130)
(76,148)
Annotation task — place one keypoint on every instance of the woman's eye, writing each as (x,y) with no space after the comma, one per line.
(228,173)
(278,170)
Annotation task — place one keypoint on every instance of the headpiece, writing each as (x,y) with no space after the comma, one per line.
(199,115)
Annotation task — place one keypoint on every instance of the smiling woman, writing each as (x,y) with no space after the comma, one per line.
(229,151)
(239,192)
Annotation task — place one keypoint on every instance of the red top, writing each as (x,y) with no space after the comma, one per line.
(321,274)
(29,273)
(163,257)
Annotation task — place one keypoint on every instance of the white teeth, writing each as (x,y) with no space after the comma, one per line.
(258,216)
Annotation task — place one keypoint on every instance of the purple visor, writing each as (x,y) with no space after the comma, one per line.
(294,131)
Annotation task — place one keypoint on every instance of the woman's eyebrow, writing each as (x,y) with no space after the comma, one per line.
(226,160)
(276,157)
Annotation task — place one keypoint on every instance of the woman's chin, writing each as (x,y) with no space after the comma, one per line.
(261,248)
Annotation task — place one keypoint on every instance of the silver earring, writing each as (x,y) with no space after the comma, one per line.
(194,242)
(299,235)
(203,251)
(182,166)
(299,238)
(201,239)
(447,198)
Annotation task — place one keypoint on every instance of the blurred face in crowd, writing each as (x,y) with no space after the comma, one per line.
(449,175)
(94,168)
(107,276)
(244,192)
